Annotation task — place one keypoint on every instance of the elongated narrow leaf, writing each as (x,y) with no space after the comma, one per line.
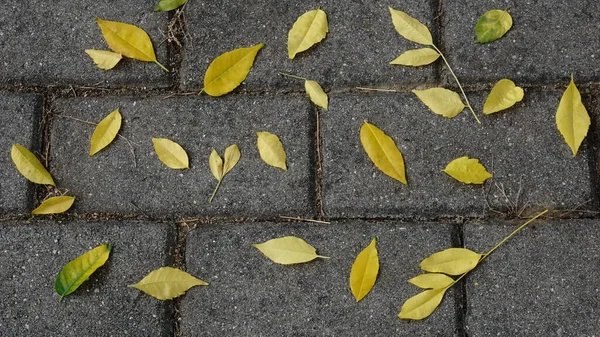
(422,305)
(492,25)
(105,132)
(170,153)
(572,118)
(29,166)
(168,5)
(167,283)
(309,29)
(417,57)
(441,101)
(467,170)
(288,250)
(216,165)
(104,59)
(383,152)
(432,281)
(54,205)
(80,269)
(128,40)
(504,94)
(271,150)
(452,261)
(316,93)
(364,271)
(229,70)
(410,28)
(232,156)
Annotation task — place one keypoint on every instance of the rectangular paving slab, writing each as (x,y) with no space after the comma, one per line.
(249,295)
(44,43)
(111,182)
(549,41)
(32,254)
(19,124)
(543,282)
(531,164)
(357,50)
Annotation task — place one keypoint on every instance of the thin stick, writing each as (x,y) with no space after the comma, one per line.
(215,191)
(293,76)
(303,219)
(376,89)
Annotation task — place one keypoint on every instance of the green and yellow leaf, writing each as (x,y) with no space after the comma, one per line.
(441,101)
(309,29)
(417,57)
(29,166)
(229,70)
(364,271)
(271,150)
(167,283)
(216,165)
(54,205)
(105,132)
(572,118)
(80,269)
(168,5)
(504,94)
(316,93)
(432,281)
(383,152)
(422,305)
(452,261)
(410,28)
(170,153)
(104,59)
(492,25)
(467,170)
(288,250)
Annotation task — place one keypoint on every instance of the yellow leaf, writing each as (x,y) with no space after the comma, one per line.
(80,269)
(364,271)
(29,166)
(229,70)
(452,261)
(232,156)
(441,101)
(271,150)
(104,59)
(288,250)
(417,57)
(316,93)
(410,28)
(572,118)
(54,205)
(170,153)
(422,305)
(432,281)
(309,29)
(504,94)
(105,132)
(128,40)
(219,168)
(383,152)
(167,282)
(492,25)
(468,171)
(216,165)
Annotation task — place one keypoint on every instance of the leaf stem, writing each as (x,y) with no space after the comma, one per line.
(201,91)
(458,82)
(215,191)
(293,76)
(160,65)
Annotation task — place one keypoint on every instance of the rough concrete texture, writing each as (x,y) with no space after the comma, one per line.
(521,147)
(542,282)
(549,41)
(33,254)
(19,116)
(251,296)
(357,50)
(109,182)
(44,43)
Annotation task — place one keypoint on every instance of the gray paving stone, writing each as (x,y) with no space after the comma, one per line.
(31,256)
(19,119)
(357,50)
(43,43)
(521,147)
(543,282)
(251,296)
(549,41)
(109,182)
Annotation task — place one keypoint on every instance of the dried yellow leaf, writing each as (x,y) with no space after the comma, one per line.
(170,153)
(310,28)
(417,57)
(216,165)
(54,205)
(441,101)
(288,250)
(383,152)
(467,170)
(432,281)
(422,305)
(316,93)
(229,70)
(29,166)
(104,59)
(504,94)
(167,283)
(271,150)
(105,132)
(410,28)
(364,271)
(452,261)
(128,40)
(572,118)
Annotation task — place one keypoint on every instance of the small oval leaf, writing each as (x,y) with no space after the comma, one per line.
(271,150)
(383,152)
(452,261)
(417,57)
(167,283)
(572,118)
(492,25)
(467,170)
(288,250)
(309,29)
(410,28)
(422,305)
(229,70)
(168,5)
(364,271)
(441,101)
(216,165)
(504,94)
(316,93)
(432,281)
(80,269)
(29,166)
(105,132)
(104,59)
(54,205)
(232,156)
(170,153)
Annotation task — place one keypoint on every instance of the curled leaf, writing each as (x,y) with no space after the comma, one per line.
(309,29)
(229,70)
(504,94)
(422,305)
(80,269)
(105,132)
(432,281)
(288,250)
(452,261)
(572,118)
(54,205)
(271,150)
(168,5)
(167,283)
(170,153)
(410,28)
(492,25)
(104,59)
(441,101)
(467,170)
(383,152)
(316,93)
(29,166)
(364,271)
(417,57)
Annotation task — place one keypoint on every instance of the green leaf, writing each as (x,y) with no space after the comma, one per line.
(492,25)
(168,5)
(452,261)
(80,269)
